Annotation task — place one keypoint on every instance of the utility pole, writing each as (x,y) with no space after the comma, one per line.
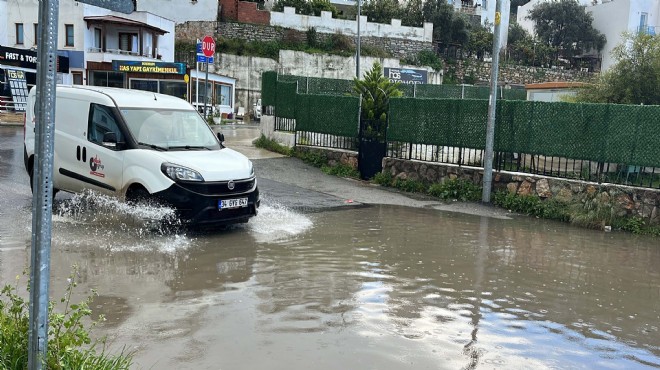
(492,103)
(357,54)
(42,202)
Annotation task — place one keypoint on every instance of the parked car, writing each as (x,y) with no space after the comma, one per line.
(139,146)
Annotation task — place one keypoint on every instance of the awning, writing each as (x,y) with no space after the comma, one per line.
(112,19)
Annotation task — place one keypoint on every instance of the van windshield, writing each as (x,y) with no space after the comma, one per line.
(166,129)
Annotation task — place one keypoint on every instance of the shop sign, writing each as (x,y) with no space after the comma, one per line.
(19,89)
(407,75)
(135,66)
(28,59)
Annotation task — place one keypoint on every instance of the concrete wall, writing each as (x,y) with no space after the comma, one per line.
(181,11)
(326,24)
(248,70)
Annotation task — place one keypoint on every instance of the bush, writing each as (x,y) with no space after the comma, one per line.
(69,342)
(459,189)
(272,145)
(341,170)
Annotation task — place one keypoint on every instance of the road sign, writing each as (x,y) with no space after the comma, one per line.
(203,59)
(208,46)
(199,47)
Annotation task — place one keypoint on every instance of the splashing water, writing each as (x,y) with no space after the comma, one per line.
(276,223)
(116,225)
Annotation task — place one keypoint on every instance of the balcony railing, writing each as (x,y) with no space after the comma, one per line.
(122,52)
(649,30)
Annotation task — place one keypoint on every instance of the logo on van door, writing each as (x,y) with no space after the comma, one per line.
(96,166)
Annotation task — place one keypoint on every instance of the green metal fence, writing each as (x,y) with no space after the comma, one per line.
(334,115)
(598,142)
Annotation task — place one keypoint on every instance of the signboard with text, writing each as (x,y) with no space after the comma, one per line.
(28,59)
(134,66)
(406,75)
(19,89)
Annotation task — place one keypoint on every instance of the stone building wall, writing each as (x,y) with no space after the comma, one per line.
(515,74)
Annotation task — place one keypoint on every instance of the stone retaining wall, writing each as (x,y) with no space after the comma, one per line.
(626,201)
(334,156)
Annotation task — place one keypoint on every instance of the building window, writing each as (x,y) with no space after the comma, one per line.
(68,28)
(106,78)
(36,33)
(19,33)
(223,94)
(128,41)
(97,39)
(644,22)
(77,78)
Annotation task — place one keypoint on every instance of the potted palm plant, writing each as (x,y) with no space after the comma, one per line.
(375,91)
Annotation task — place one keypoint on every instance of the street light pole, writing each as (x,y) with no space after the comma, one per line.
(357,55)
(490,126)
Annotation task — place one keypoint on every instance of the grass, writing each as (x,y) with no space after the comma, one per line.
(69,342)
(272,145)
(452,189)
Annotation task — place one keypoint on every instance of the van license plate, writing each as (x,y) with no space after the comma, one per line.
(232,203)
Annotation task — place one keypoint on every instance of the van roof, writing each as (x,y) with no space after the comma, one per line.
(126,98)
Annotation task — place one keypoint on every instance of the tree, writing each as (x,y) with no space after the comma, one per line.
(305,7)
(566,26)
(480,41)
(381,11)
(411,14)
(634,79)
(376,91)
(448,27)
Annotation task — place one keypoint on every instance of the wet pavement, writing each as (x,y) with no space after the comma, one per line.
(341,274)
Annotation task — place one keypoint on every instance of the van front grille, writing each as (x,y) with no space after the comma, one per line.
(220,188)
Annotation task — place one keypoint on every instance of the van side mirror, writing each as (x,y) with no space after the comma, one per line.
(221,137)
(110,140)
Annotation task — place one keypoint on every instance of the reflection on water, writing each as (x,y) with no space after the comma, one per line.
(370,288)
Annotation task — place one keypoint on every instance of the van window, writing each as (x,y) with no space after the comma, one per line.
(102,120)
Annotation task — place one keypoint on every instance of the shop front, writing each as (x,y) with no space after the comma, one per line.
(159,77)
(18,73)
(219,93)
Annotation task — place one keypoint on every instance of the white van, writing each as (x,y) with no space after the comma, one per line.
(139,145)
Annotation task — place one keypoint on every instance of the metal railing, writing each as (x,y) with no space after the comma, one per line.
(285,124)
(326,140)
(575,169)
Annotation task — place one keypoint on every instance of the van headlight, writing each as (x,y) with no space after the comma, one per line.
(251,169)
(180,173)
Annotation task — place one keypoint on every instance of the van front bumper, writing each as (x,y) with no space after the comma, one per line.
(197,208)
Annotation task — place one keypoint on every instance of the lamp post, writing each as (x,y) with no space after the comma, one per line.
(357,54)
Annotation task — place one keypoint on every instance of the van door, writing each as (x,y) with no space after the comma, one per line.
(101,157)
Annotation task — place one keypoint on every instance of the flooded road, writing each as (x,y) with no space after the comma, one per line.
(333,285)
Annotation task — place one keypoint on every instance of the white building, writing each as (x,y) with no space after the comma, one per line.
(612,18)
(93,38)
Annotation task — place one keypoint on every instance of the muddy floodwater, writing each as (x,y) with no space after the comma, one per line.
(379,287)
(350,287)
